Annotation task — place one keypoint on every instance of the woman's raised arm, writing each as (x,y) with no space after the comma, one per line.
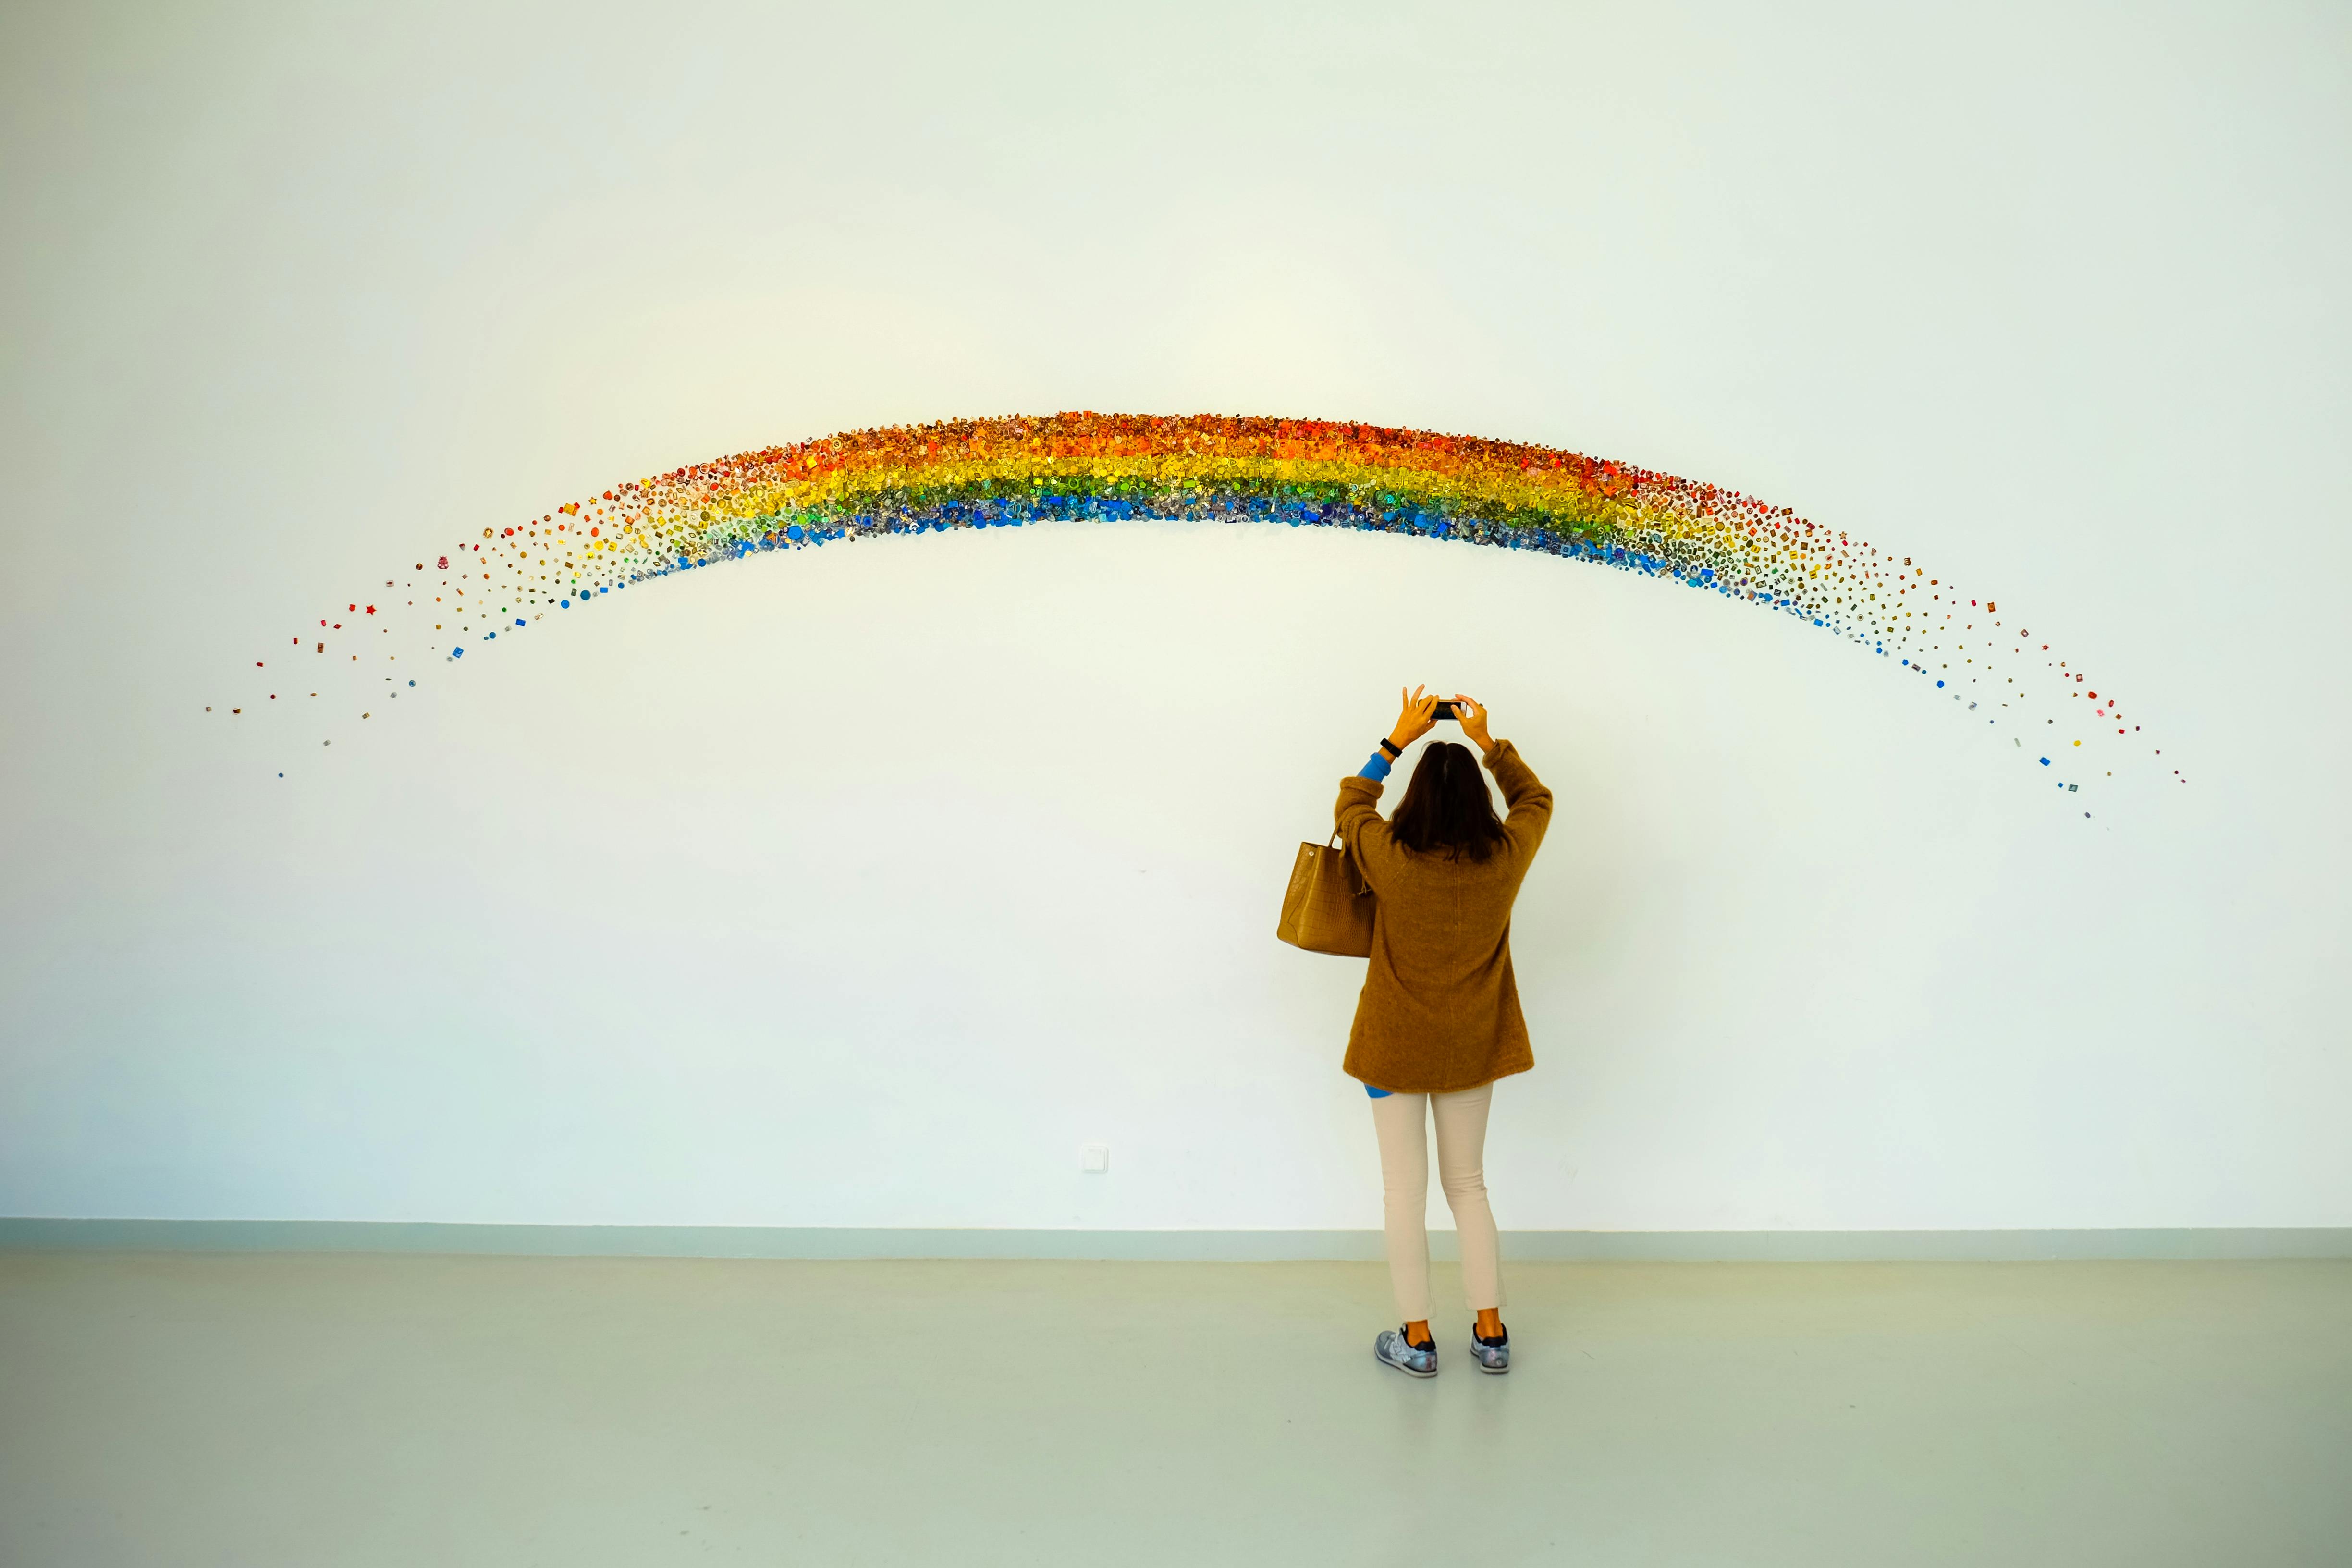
(1525,796)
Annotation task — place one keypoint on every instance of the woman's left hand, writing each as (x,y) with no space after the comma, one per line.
(1417,717)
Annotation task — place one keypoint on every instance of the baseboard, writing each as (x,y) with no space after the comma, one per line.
(1153,1246)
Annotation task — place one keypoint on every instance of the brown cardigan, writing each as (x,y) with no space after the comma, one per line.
(1439,1010)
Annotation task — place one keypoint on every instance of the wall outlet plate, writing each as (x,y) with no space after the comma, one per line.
(1094,1158)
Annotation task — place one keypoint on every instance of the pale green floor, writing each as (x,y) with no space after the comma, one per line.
(256,1410)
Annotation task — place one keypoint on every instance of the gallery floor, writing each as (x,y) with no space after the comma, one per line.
(313,1409)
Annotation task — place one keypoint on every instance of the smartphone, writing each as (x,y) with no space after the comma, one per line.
(1445,708)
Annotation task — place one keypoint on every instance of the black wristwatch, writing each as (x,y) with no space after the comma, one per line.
(1390,748)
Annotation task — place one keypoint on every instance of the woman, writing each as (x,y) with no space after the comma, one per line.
(1439,1020)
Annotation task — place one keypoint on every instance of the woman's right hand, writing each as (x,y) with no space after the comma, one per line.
(1417,717)
(1472,717)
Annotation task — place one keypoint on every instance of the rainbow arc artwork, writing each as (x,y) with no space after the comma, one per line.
(1114,468)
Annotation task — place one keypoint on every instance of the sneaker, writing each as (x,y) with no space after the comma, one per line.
(1492,1355)
(1414,1360)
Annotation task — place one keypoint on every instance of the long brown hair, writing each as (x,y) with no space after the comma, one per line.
(1446,806)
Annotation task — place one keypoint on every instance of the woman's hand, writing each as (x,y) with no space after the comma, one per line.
(1416,718)
(1472,717)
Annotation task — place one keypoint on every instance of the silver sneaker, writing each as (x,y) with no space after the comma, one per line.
(1491,1358)
(1391,1348)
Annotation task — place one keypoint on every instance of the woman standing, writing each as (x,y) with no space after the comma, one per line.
(1438,1020)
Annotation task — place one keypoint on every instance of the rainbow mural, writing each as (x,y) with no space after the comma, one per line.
(1112,468)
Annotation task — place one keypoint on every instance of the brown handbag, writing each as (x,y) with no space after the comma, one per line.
(1328,908)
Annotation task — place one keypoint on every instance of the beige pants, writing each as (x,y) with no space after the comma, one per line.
(1461,1169)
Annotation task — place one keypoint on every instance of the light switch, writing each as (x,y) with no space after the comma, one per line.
(1094,1158)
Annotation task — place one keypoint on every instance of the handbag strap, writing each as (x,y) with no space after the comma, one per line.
(1355,872)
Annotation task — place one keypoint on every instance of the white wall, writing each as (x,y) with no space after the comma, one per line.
(859,887)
